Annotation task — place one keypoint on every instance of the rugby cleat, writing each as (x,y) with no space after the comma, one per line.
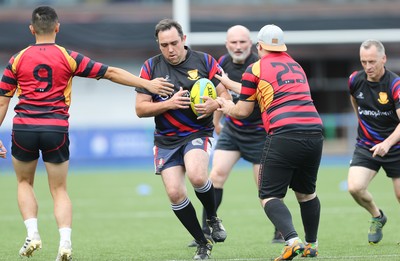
(375,234)
(203,251)
(289,252)
(310,250)
(65,252)
(218,232)
(31,245)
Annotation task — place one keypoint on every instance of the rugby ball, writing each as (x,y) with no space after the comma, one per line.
(202,87)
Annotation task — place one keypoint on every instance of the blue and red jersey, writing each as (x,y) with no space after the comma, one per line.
(377,103)
(175,127)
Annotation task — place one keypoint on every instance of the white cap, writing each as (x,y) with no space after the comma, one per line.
(270,38)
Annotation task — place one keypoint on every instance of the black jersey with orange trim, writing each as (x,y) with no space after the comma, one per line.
(377,104)
(253,123)
(280,85)
(177,127)
(41,75)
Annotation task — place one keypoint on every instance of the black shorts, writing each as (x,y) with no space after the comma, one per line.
(251,151)
(390,162)
(53,145)
(290,160)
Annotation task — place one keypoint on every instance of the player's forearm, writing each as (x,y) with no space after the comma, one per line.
(151,109)
(234,86)
(4,103)
(124,77)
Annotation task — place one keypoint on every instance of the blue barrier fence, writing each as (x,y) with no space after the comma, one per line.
(133,147)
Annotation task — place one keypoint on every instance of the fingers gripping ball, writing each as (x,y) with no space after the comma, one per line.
(202,87)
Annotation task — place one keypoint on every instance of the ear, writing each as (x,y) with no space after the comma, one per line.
(32,29)
(57,29)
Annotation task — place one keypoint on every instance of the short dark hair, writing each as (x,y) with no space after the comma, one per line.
(167,24)
(44,19)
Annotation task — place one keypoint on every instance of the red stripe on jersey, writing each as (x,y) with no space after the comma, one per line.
(396,90)
(365,131)
(298,109)
(177,124)
(351,77)
(247,91)
(40,121)
(296,121)
(237,122)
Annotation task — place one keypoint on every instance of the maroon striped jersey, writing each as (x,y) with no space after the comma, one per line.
(280,86)
(41,76)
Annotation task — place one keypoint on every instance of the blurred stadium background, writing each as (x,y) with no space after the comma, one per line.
(323,35)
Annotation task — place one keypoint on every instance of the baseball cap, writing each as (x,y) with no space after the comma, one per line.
(270,37)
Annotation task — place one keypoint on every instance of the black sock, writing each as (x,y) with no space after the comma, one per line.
(218,199)
(187,215)
(310,214)
(206,196)
(280,216)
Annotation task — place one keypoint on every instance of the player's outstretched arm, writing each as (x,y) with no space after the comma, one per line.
(228,83)
(4,103)
(157,86)
(240,110)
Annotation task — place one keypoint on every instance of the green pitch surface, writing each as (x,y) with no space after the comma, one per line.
(125,215)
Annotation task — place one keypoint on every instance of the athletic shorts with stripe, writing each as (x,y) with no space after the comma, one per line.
(166,158)
(54,146)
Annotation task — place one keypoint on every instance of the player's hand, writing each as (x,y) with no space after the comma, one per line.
(224,79)
(3,151)
(225,105)
(180,100)
(161,87)
(206,108)
(380,149)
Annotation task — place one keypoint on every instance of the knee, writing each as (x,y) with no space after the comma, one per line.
(176,196)
(355,190)
(199,181)
(218,178)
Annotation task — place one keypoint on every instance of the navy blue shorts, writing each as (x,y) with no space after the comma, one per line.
(290,160)
(53,145)
(390,162)
(166,158)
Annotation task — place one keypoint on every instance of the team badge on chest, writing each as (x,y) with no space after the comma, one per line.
(383,98)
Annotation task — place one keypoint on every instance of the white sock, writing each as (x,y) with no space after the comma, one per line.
(291,241)
(65,234)
(31,226)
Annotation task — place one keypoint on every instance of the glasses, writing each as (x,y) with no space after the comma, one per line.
(257,45)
